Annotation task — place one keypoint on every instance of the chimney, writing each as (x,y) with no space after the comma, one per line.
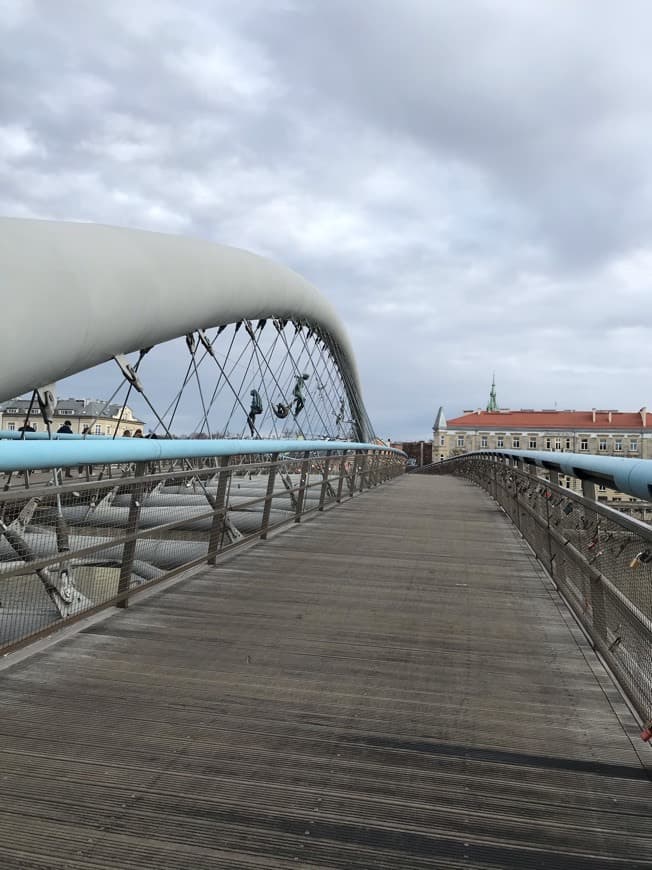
(610,416)
(643,413)
(593,413)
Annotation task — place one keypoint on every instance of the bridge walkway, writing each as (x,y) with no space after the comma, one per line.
(392,685)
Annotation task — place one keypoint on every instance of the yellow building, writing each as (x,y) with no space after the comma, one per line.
(100,418)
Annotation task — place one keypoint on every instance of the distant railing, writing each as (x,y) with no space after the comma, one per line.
(83,525)
(599,559)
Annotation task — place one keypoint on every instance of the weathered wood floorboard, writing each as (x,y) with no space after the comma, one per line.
(394,685)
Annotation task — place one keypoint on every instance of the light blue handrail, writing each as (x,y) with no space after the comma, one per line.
(36,453)
(631,476)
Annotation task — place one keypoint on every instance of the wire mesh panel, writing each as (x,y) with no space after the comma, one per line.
(271,378)
(600,559)
(73,543)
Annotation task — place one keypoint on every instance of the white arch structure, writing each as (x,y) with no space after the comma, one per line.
(75,295)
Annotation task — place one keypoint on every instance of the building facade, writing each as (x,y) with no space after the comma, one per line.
(595,432)
(419,452)
(100,418)
(602,433)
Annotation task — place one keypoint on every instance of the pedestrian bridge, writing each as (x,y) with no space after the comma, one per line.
(396,683)
(280,650)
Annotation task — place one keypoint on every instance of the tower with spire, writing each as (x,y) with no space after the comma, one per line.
(439,433)
(440,422)
(492,405)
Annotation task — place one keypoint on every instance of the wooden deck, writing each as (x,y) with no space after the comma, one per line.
(392,685)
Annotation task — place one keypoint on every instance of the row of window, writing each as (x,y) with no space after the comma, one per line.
(98,429)
(61,413)
(559,443)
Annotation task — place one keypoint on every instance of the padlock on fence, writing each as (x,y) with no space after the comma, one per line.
(642,558)
(646,733)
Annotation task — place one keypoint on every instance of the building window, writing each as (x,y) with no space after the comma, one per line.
(66,413)
(98,429)
(460,440)
(500,441)
(602,444)
(483,441)
(11,426)
(557,443)
(568,444)
(602,487)
(442,440)
(618,445)
(584,444)
(516,443)
(633,446)
(533,443)
(11,410)
(548,443)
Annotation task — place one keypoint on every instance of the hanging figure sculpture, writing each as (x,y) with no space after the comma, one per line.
(255,409)
(339,419)
(299,403)
(281,410)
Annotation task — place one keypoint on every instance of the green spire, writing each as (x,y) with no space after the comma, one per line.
(492,405)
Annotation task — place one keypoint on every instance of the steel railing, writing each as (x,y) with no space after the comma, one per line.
(599,559)
(70,546)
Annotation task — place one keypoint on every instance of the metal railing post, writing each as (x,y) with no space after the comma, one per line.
(363,469)
(324,480)
(269,495)
(598,609)
(551,564)
(302,486)
(588,489)
(340,482)
(129,550)
(374,469)
(219,512)
(354,473)
(380,468)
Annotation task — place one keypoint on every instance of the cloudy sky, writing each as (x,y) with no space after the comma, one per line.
(469,182)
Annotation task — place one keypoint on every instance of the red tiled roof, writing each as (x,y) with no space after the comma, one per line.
(538,420)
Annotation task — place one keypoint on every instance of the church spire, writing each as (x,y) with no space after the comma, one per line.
(440,421)
(492,405)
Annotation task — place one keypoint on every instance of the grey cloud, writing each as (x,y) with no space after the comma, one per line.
(469,183)
(547,108)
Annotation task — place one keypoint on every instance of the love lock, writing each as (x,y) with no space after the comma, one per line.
(646,733)
(642,558)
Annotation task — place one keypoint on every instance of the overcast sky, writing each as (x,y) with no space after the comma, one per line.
(470,183)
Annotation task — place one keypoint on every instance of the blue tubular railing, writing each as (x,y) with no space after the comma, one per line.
(631,476)
(138,511)
(71,451)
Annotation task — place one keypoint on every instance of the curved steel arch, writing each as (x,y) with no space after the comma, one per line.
(75,295)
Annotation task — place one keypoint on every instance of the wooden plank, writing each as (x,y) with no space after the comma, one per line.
(392,685)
